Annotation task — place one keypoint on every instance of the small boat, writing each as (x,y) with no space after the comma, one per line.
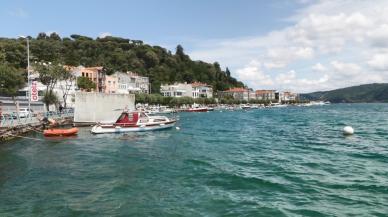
(134,122)
(245,106)
(199,109)
(61,132)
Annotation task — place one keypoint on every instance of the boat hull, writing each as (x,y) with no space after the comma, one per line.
(60,132)
(197,110)
(100,129)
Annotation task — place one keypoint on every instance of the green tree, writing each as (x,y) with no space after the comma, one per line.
(54,36)
(227,72)
(49,98)
(42,36)
(117,54)
(11,80)
(49,74)
(67,80)
(85,84)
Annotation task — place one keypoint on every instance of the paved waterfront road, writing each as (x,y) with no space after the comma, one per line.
(268,162)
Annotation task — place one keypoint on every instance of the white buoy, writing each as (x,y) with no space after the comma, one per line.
(177,128)
(348,130)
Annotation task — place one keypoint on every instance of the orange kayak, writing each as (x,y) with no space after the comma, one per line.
(61,132)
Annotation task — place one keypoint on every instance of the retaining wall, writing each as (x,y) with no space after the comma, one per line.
(101,107)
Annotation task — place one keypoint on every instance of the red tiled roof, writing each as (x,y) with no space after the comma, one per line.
(237,89)
(94,68)
(264,91)
(199,84)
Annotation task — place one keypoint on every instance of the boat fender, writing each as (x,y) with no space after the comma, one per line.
(52,121)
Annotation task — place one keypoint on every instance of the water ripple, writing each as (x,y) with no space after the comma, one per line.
(266,162)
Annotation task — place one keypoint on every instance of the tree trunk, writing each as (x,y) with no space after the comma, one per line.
(16,106)
(47,106)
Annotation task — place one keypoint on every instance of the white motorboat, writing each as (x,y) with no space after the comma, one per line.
(134,122)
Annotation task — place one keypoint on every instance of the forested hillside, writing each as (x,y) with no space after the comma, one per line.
(114,53)
(362,93)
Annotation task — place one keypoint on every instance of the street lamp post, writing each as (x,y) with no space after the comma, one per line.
(28,73)
(28,76)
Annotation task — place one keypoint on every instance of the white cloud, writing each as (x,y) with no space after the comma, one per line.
(347,40)
(253,75)
(286,78)
(379,62)
(318,67)
(378,36)
(104,34)
(345,69)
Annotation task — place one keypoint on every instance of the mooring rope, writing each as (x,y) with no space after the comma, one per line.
(25,137)
(37,131)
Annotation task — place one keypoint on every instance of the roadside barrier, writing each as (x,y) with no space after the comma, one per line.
(12,120)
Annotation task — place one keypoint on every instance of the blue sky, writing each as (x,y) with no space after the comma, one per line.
(300,45)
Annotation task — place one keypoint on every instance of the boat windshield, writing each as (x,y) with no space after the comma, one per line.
(143,115)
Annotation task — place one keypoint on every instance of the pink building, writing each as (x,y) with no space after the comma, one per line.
(111,83)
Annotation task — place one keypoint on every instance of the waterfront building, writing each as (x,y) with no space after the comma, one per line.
(194,90)
(177,90)
(251,95)
(111,83)
(95,74)
(201,90)
(237,93)
(265,95)
(130,82)
(287,96)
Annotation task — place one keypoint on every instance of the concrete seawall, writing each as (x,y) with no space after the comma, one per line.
(100,107)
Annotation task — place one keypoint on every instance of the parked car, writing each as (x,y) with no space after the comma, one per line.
(24,113)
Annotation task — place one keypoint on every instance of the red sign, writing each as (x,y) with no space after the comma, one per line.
(34,91)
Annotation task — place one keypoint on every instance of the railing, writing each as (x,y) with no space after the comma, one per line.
(14,120)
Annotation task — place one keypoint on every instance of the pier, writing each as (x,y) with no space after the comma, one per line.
(13,126)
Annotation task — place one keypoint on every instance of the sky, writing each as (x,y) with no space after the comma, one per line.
(296,45)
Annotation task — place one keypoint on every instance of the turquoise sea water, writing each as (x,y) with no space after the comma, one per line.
(267,162)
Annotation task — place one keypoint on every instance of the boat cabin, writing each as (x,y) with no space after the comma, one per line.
(130,118)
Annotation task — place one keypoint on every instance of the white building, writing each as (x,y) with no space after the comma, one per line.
(266,95)
(287,96)
(59,89)
(129,82)
(177,90)
(201,90)
(194,90)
